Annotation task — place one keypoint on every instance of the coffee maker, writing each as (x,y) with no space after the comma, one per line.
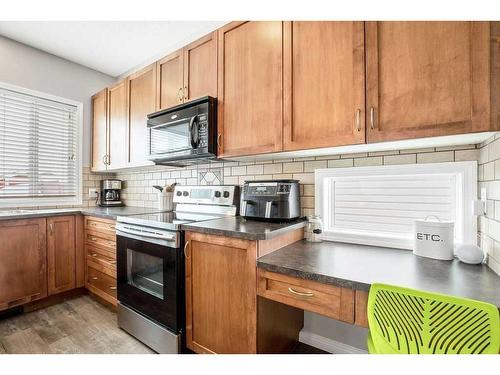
(110,193)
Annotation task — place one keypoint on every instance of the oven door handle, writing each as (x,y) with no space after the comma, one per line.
(142,234)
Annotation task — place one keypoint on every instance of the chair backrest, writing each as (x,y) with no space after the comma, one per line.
(409,321)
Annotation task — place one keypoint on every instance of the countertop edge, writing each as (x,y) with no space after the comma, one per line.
(192,227)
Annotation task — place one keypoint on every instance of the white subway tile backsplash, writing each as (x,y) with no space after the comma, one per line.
(400,159)
(273,168)
(341,163)
(311,166)
(436,157)
(370,161)
(255,169)
(294,167)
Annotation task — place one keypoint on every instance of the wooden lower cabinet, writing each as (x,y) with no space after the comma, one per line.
(100,258)
(23,269)
(221,299)
(61,254)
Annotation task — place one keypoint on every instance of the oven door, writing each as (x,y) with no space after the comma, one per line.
(149,280)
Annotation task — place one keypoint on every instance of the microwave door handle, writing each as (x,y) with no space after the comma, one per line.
(191,124)
(142,234)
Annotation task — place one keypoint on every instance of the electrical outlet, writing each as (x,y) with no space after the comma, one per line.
(93,193)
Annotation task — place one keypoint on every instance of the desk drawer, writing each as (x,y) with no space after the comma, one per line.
(100,225)
(328,300)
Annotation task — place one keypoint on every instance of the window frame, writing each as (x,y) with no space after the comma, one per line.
(467,183)
(75,200)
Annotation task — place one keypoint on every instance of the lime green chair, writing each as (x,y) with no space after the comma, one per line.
(408,321)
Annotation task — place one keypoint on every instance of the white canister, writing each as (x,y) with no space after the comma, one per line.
(433,239)
(166,201)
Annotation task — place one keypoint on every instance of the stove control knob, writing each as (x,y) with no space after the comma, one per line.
(226,194)
(217,194)
(179,193)
(185,193)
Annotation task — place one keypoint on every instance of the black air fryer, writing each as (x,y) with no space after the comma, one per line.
(271,200)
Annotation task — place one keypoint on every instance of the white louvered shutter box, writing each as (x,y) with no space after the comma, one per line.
(378,205)
(38,150)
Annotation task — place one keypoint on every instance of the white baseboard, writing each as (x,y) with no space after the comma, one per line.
(328,345)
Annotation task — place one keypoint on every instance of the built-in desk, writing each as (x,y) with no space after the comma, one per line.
(333,279)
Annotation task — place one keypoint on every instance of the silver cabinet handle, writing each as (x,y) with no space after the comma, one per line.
(104,160)
(185,250)
(112,287)
(179,94)
(185,92)
(51,228)
(372,117)
(291,290)
(219,140)
(358,120)
(93,278)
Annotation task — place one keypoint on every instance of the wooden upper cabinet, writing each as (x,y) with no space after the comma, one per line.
(200,68)
(61,253)
(250,88)
(23,269)
(99,130)
(142,101)
(324,84)
(117,126)
(427,79)
(170,80)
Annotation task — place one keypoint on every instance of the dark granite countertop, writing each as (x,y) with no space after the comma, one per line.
(105,212)
(358,266)
(241,228)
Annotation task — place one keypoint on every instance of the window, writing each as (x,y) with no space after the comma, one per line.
(378,205)
(40,149)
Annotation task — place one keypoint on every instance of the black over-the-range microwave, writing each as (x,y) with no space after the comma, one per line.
(183,134)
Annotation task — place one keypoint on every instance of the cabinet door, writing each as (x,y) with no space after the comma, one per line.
(99,130)
(426,79)
(220,294)
(142,101)
(61,253)
(117,126)
(250,88)
(23,265)
(200,68)
(170,80)
(324,84)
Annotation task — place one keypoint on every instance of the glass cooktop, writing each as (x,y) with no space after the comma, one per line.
(166,220)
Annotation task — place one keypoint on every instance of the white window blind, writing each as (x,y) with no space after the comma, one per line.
(39,149)
(378,205)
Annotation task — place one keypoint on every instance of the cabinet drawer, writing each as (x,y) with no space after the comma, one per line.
(97,224)
(97,240)
(328,300)
(100,281)
(101,257)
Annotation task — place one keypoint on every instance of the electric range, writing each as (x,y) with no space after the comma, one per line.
(150,264)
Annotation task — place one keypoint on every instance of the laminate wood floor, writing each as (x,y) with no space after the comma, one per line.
(80,325)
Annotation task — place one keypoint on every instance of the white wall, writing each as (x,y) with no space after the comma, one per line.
(37,70)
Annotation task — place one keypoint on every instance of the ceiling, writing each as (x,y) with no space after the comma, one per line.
(110,47)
